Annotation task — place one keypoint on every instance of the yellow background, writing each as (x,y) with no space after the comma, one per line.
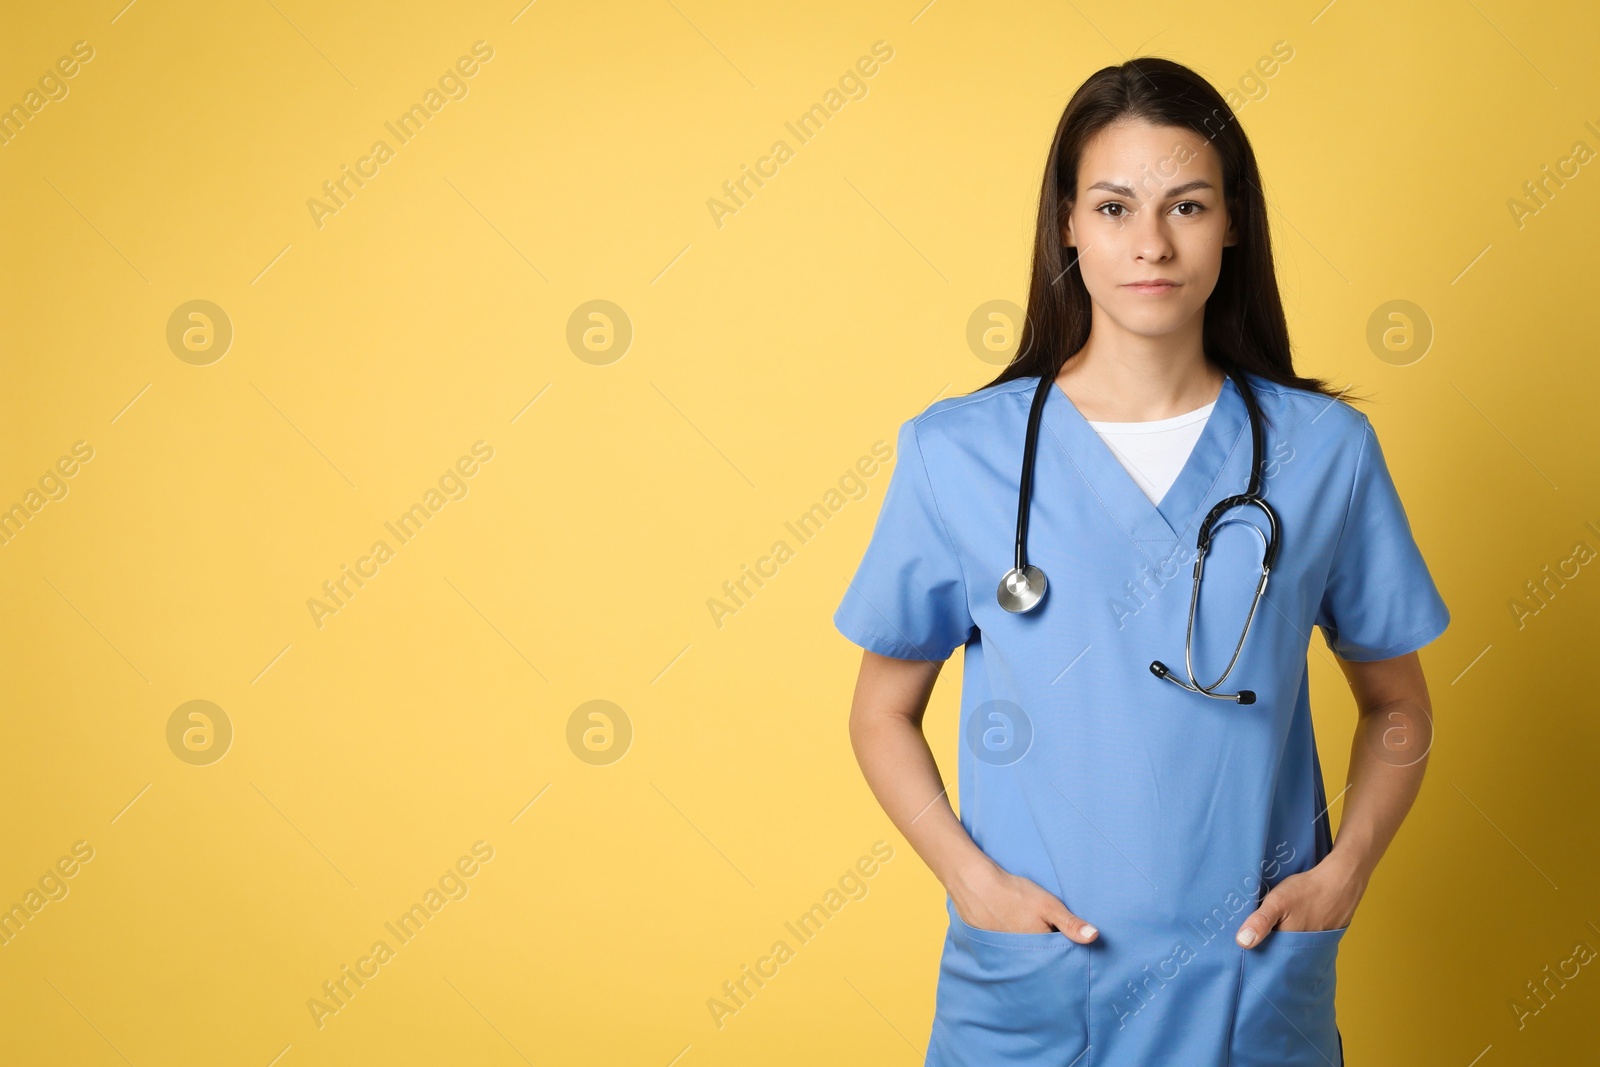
(767,356)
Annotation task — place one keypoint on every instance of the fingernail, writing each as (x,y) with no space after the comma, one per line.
(1089,931)
(1246,936)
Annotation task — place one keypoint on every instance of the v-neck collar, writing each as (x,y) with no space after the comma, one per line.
(1177,516)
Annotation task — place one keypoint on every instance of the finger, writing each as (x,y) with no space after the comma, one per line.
(1075,928)
(1258,925)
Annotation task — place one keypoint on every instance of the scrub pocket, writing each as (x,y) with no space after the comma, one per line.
(1009,999)
(1286,1015)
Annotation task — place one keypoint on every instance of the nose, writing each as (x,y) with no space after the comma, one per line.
(1152,239)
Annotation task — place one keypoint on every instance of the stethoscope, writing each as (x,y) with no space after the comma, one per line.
(1023,586)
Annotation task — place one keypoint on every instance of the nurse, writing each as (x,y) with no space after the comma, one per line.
(1140,873)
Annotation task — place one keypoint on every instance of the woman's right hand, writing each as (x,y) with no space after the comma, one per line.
(886,734)
(996,900)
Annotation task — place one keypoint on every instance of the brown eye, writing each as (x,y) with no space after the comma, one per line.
(1199,207)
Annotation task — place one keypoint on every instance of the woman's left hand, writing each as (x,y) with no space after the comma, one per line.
(1323,898)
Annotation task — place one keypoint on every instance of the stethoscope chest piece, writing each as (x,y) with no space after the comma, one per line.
(1022,588)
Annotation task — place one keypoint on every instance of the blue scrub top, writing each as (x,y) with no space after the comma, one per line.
(1159,815)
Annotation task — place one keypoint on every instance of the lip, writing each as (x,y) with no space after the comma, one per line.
(1154,286)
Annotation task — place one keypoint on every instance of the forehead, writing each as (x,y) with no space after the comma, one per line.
(1139,158)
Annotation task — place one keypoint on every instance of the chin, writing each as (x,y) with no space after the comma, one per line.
(1152,324)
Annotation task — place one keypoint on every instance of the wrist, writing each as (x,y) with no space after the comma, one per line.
(1350,865)
(971,878)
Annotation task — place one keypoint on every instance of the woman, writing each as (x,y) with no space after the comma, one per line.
(1143,873)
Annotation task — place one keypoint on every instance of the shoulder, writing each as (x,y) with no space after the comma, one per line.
(959,435)
(1305,418)
(971,421)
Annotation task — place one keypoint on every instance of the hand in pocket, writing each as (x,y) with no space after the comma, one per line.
(1001,902)
(1315,901)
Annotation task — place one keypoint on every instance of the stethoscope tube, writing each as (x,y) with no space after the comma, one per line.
(1023,587)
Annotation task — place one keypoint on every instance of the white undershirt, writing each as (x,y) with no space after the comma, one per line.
(1154,453)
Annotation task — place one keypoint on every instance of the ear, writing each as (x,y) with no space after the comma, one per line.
(1231,237)
(1067,237)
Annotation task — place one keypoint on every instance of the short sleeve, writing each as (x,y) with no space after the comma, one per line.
(908,599)
(1380,600)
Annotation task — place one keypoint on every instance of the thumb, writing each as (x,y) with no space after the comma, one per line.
(1260,922)
(1075,928)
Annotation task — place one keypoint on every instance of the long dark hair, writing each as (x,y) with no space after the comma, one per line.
(1244,325)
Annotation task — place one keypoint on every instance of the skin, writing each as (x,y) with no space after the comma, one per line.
(1143,361)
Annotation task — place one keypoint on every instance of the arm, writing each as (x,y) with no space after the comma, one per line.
(886,732)
(1388,757)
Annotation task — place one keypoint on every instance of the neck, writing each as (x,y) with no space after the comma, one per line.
(1140,379)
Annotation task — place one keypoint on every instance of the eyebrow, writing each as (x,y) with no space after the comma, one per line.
(1176,190)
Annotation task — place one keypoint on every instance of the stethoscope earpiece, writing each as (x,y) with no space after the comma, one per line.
(1161,670)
